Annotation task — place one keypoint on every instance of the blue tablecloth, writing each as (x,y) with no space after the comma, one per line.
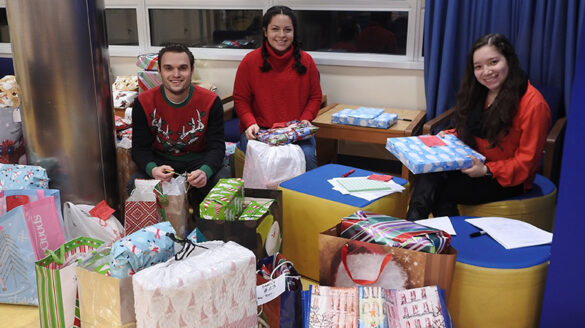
(315,183)
(485,252)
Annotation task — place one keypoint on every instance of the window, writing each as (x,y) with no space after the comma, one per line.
(206,28)
(122,27)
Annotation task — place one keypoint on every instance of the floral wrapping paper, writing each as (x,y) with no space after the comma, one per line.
(13,176)
(291,132)
(366,117)
(420,158)
(225,201)
(386,230)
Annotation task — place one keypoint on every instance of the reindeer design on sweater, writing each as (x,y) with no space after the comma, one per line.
(185,136)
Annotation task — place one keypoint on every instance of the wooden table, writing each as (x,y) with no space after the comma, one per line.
(409,123)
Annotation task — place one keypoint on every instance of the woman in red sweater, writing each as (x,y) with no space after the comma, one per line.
(277,82)
(502,116)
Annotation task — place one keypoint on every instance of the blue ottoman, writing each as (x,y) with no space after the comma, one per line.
(311,206)
(493,286)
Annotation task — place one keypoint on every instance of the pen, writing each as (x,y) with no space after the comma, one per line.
(348,173)
(405,119)
(477,234)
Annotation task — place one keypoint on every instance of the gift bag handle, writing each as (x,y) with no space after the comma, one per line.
(57,259)
(387,259)
(188,246)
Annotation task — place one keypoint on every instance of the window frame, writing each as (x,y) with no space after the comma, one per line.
(413,58)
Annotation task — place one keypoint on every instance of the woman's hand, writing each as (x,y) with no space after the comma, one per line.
(197,179)
(478,169)
(252,131)
(306,122)
(162,173)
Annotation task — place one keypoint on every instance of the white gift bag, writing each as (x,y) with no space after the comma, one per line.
(213,286)
(267,166)
(79,223)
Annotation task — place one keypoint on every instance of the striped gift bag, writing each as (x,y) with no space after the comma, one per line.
(57,283)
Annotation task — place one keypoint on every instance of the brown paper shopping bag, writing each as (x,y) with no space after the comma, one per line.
(365,262)
(104,301)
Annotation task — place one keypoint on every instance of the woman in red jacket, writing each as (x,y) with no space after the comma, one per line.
(277,82)
(502,116)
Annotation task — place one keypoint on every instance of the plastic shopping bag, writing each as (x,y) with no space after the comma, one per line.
(267,166)
(79,223)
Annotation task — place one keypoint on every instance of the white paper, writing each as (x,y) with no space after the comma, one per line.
(271,289)
(441,223)
(512,233)
(367,195)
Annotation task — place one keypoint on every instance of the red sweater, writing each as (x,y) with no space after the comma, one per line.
(516,157)
(279,95)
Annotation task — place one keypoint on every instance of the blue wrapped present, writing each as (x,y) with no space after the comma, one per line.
(13,176)
(141,249)
(420,158)
(364,116)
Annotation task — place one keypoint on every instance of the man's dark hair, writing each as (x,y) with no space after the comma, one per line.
(176,47)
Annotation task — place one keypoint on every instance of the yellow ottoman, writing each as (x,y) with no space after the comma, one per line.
(311,206)
(536,207)
(493,286)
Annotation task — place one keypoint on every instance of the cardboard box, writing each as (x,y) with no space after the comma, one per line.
(263,236)
(366,117)
(420,158)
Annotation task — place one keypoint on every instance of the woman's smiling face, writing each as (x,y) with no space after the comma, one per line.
(280,33)
(490,67)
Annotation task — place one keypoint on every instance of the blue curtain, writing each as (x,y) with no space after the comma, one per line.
(544,33)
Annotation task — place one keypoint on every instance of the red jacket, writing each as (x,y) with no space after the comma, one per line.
(279,95)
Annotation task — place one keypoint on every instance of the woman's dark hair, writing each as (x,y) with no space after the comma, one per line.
(176,47)
(497,121)
(281,10)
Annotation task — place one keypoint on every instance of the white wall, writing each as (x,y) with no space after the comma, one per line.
(381,87)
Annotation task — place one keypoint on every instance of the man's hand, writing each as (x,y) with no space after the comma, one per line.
(197,179)
(478,169)
(163,173)
(252,131)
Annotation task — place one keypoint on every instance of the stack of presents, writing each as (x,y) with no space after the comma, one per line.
(164,266)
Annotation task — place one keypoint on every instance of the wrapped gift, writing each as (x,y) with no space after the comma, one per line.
(148,80)
(288,132)
(364,116)
(423,154)
(225,201)
(214,286)
(124,99)
(9,92)
(141,249)
(148,62)
(13,176)
(386,230)
(258,228)
(125,83)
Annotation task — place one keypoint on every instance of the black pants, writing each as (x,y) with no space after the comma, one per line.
(439,193)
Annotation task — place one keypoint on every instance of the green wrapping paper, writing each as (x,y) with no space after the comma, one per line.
(225,201)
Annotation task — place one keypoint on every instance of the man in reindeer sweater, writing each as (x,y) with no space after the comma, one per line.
(178,127)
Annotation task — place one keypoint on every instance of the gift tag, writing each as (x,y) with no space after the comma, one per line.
(273,239)
(432,141)
(270,290)
(102,211)
(16,116)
